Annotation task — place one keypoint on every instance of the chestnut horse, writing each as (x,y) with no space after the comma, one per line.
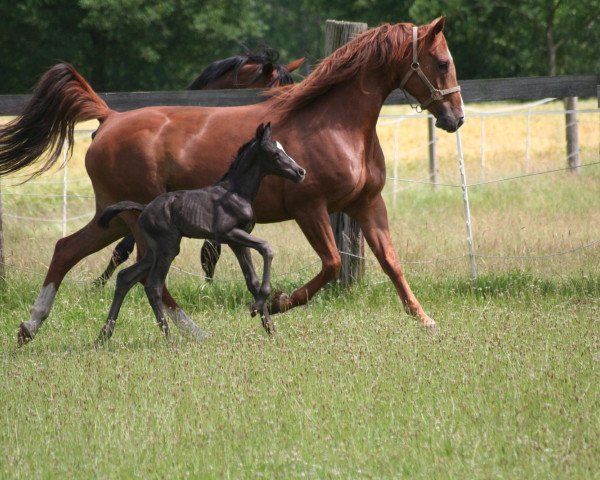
(327,123)
(251,70)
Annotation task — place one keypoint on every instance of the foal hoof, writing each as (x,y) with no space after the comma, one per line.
(268,325)
(280,303)
(23,335)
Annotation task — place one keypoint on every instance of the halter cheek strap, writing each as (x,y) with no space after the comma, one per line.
(436,93)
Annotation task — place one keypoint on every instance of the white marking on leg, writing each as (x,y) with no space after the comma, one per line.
(184,323)
(41,308)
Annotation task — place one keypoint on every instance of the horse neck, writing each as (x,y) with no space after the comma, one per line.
(354,104)
(245,177)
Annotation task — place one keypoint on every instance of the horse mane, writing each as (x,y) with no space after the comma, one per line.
(367,51)
(220,67)
(235,163)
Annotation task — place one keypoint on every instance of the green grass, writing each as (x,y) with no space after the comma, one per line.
(351,387)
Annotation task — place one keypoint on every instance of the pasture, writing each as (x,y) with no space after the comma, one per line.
(506,387)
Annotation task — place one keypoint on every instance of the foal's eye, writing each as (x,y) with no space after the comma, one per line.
(443,66)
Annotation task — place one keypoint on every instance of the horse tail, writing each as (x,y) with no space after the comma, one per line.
(60,99)
(113,210)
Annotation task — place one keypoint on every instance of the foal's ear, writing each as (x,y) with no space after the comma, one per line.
(260,130)
(267,133)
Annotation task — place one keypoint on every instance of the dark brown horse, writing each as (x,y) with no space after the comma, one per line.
(251,70)
(327,123)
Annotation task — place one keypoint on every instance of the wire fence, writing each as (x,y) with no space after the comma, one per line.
(399,151)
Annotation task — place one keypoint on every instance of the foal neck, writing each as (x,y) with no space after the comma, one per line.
(244,175)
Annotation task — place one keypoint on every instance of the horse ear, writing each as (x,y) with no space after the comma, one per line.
(437,25)
(267,131)
(260,131)
(267,69)
(295,65)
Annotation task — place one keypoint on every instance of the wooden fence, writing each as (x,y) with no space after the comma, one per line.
(473,91)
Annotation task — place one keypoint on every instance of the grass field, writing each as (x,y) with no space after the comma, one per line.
(507,387)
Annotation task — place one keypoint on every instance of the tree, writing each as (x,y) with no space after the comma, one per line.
(502,38)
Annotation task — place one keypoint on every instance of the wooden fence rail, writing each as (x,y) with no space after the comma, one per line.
(473,91)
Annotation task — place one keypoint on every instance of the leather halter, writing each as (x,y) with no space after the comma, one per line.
(436,94)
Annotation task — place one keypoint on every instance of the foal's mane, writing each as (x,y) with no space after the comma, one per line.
(235,163)
(220,67)
(370,50)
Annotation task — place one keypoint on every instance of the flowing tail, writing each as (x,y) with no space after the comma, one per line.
(60,99)
(113,210)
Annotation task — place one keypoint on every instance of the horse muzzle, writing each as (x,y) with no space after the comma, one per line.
(449,123)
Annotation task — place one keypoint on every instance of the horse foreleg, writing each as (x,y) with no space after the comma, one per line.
(374,225)
(316,226)
(67,253)
(120,254)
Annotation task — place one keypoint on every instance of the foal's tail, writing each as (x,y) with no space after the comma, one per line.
(113,210)
(60,99)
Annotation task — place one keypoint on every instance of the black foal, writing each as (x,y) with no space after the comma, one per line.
(222,212)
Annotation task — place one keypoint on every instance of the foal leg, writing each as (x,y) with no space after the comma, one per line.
(316,226)
(239,239)
(173,310)
(67,253)
(120,254)
(155,282)
(374,224)
(245,260)
(126,279)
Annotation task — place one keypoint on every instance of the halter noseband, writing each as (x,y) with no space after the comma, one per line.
(436,93)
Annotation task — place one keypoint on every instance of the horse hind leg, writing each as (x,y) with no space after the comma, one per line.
(68,252)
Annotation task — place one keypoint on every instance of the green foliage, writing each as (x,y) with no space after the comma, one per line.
(146,45)
(501,38)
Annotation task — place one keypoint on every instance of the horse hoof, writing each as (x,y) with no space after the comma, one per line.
(428,323)
(280,303)
(23,336)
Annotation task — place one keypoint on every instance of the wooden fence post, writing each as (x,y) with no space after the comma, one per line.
(572,132)
(348,237)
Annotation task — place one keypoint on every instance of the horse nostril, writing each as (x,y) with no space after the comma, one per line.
(461,120)
(302,171)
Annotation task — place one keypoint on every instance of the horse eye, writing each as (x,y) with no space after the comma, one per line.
(443,66)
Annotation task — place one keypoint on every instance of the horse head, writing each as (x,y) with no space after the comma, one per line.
(274,159)
(431,76)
